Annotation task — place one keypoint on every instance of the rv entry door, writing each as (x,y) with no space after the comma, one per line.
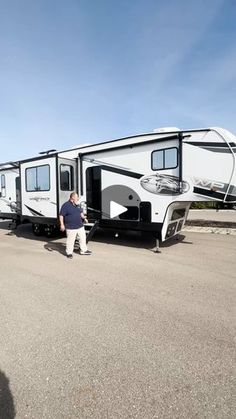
(67,179)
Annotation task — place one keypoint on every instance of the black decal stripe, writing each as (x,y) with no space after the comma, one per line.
(33,211)
(219,150)
(210,144)
(214,147)
(213,194)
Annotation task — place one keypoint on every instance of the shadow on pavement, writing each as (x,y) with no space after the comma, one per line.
(4,225)
(135,239)
(53,246)
(122,238)
(7,408)
(180,238)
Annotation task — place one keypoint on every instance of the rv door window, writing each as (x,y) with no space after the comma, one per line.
(167,158)
(3,186)
(38,178)
(66,177)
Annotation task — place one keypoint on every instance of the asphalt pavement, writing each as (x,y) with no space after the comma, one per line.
(223,216)
(124,333)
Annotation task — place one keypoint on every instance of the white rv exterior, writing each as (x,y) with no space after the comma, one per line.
(154,176)
(9,190)
(46,183)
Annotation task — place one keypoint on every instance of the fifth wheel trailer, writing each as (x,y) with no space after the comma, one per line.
(145,182)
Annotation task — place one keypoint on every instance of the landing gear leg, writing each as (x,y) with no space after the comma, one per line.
(157,248)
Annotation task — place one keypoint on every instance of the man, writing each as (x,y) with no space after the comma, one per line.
(71,219)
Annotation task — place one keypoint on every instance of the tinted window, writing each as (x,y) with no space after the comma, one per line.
(167,158)
(37,178)
(171,157)
(66,177)
(43,178)
(158,160)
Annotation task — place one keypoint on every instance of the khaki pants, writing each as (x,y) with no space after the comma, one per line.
(72,235)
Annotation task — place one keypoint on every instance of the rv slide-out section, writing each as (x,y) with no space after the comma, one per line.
(46,183)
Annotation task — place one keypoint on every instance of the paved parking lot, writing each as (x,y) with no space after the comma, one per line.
(212,214)
(124,333)
(211,221)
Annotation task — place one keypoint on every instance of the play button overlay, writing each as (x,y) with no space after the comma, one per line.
(116,209)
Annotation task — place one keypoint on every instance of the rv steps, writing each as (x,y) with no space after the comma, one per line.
(90,229)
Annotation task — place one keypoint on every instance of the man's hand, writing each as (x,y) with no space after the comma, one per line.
(84,218)
(62,225)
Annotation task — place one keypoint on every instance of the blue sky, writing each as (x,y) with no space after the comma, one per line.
(81,71)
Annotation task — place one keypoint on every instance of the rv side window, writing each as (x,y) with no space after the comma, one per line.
(167,158)
(3,186)
(66,177)
(38,178)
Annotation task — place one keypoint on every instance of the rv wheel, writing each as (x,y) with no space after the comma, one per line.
(50,230)
(37,229)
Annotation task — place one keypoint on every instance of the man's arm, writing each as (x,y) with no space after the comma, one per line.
(62,225)
(84,217)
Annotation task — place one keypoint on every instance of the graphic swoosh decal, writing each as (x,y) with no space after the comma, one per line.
(214,194)
(34,212)
(214,147)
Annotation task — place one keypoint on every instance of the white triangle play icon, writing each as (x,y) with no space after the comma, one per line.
(116,209)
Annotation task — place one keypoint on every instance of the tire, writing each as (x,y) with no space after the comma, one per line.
(38,229)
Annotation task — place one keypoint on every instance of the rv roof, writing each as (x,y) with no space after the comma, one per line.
(9,164)
(149,134)
(166,129)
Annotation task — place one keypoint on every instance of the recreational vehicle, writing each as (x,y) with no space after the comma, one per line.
(9,191)
(144,182)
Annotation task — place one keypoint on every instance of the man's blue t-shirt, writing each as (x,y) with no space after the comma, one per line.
(72,215)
